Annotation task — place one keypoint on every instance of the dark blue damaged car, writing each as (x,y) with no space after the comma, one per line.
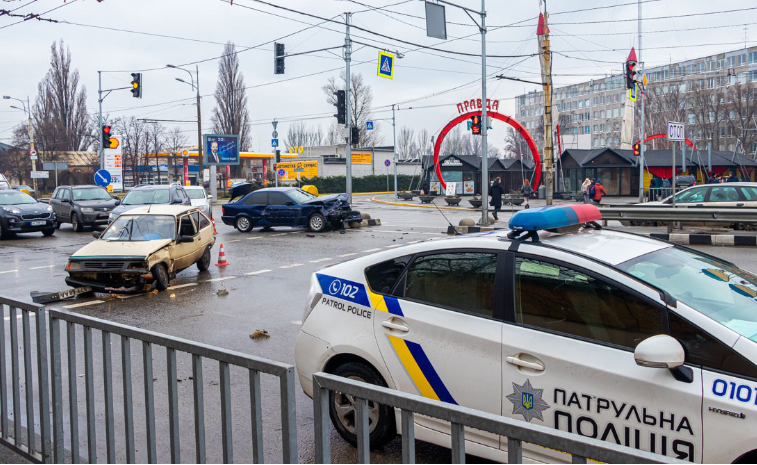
(287,206)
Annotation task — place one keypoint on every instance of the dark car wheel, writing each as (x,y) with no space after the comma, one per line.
(317,222)
(48,232)
(244,224)
(75,223)
(204,263)
(57,225)
(160,275)
(343,408)
(4,233)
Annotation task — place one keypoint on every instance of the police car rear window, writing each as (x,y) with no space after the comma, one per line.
(383,276)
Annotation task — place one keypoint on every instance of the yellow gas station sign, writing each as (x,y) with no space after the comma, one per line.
(305,169)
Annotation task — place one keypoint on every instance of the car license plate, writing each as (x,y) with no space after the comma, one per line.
(39,223)
(102,214)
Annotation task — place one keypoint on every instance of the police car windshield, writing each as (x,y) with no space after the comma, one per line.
(147,197)
(300,195)
(720,291)
(141,228)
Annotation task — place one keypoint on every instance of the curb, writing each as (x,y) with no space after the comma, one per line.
(454,230)
(423,205)
(707,239)
(371,222)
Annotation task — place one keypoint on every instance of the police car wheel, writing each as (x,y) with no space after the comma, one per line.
(317,222)
(244,224)
(343,409)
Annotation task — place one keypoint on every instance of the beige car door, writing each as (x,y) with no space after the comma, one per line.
(205,237)
(184,252)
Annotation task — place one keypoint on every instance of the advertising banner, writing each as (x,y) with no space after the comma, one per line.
(221,149)
(361,158)
(309,169)
(113,163)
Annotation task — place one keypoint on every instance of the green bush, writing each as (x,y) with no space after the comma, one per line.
(372,183)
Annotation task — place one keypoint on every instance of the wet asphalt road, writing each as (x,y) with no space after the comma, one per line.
(267,282)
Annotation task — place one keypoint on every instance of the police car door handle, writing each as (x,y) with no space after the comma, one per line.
(522,363)
(397,327)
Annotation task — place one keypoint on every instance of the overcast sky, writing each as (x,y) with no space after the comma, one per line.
(597,45)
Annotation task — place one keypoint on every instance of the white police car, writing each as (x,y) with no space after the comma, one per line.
(605,334)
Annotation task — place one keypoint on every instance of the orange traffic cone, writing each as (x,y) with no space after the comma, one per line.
(215,232)
(222,258)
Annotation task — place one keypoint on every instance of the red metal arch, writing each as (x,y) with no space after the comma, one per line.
(663,135)
(516,125)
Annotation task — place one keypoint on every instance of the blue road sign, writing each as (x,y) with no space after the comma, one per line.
(386,65)
(369,125)
(274,142)
(387,163)
(282,172)
(102,178)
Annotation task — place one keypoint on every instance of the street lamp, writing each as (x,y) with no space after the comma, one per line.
(27,109)
(196,87)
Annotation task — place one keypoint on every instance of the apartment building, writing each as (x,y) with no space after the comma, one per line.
(590,113)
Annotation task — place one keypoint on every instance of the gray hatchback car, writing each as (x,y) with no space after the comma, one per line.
(82,206)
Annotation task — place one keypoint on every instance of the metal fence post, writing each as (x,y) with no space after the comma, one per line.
(363,431)
(458,443)
(288,416)
(152,453)
(321,423)
(226,429)
(408,436)
(514,451)
(110,439)
(57,391)
(73,402)
(89,384)
(173,405)
(14,373)
(29,382)
(256,417)
(128,406)
(44,386)
(3,387)
(199,408)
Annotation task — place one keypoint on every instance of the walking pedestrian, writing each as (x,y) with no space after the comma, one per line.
(496,191)
(585,189)
(527,192)
(599,191)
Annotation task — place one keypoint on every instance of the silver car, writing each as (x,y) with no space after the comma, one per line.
(728,194)
(200,199)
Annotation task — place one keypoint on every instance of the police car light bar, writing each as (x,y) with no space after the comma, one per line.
(552,217)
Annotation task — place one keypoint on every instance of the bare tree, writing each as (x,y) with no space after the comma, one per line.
(742,115)
(453,142)
(231,115)
(406,144)
(516,146)
(361,99)
(176,139)
(423,140)
(59,113)
(301,135)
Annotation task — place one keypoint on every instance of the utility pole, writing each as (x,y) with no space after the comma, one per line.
(484,124)
(394,149)
(641,130)
(348,119)
(200,165)
(100,116)
(545,57)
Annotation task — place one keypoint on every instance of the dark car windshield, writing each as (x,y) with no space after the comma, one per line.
(196,193)
(300,196)
(16,198)
(147,197)
(91,193)
(716,289)
(141,228)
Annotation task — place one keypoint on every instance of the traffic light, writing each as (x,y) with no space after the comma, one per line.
(637,148)
(630,74)
(136,84)
(355,139)
(475,124)
(341,108)
(109,142)
(278,58)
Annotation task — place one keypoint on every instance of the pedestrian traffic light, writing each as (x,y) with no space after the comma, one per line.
(136,84)
(630,74)
(278,58)
(355,136)
(341,108)
(475,126)
(637,148)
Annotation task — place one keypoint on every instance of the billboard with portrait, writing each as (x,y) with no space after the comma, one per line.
(221,149)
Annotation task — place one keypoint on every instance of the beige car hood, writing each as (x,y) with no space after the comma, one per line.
(132,249)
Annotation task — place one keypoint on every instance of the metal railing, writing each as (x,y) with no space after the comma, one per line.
(51,441)
(517,432)
(690,213)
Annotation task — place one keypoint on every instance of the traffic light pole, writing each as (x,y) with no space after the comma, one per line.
(348,119)
(394,149)
(484,124)
(100,116)
(200,167)
(641,139)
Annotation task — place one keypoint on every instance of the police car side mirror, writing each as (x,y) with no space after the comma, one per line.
(661,351)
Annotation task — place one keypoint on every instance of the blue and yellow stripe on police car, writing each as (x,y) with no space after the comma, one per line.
(384,303)
(421,371)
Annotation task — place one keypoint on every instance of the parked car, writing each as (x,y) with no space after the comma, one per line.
(732,194)
(27,189)
(200,199)
(149,194)
(610,335)
(20,213)
(4,184)
(685,180)
(144,246)
(82,206)
(288,206)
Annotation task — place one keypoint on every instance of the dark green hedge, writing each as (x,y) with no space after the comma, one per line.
(373,183)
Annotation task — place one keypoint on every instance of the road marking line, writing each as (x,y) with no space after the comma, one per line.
(319,260)
(9,271)
(414,242)
(179,286)
(279,234)
(253,238)
(40,267)
(291,266)
(233,240)
(371,250)
(85,304)
(394,245)
(124,297)
(218,279)
(257,272)
(347,255)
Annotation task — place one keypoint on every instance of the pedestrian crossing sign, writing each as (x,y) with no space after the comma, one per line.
(632,92)
(386,65)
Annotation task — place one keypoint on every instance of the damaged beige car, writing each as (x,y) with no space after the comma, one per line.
(143,248)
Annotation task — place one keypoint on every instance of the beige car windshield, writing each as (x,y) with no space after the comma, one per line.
(141,228)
